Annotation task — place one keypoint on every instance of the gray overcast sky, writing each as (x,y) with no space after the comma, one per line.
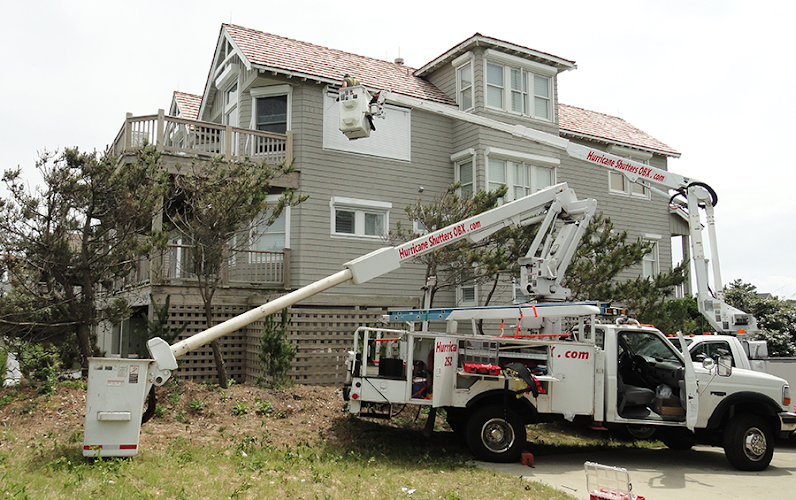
(709,78)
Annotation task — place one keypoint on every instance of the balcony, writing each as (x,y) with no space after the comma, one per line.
(242,268)
(178,138)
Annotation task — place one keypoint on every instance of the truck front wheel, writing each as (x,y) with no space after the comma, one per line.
(496,434)
(748,443)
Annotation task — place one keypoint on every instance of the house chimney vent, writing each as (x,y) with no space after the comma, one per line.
(399,60)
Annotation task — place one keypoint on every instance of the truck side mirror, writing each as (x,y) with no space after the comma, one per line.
(725,366)
(707,363)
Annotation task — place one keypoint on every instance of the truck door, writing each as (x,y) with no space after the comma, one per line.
(691,388)
(445,363)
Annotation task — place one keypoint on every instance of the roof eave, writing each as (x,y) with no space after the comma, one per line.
(595,138)
(476,40)
(294,74)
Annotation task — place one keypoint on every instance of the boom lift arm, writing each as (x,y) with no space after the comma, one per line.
(551,251)
(698,195)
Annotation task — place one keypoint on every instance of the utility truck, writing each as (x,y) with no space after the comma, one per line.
(562,362)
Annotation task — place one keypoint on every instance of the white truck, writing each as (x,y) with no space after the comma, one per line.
(745,354)
(606,374)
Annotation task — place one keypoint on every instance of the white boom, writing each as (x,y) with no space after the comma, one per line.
(550,257)
(358,106)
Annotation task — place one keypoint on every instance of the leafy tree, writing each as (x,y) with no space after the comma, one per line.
(160,326)
(775,318)
(66,242)
(276,353)
(676,315)
(453,264)
(602,255)
(213,205)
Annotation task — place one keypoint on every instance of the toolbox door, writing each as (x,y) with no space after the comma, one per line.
(446,358)
(572,365)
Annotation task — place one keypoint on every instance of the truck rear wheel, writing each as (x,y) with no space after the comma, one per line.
(748,443)
(496,434)
(641,432)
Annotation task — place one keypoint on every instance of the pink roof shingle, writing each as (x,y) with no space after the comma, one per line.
(188,104)
(306,59)
(596,125)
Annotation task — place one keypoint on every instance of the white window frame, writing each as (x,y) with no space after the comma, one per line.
(231,101)
(528,71)
(459,160)
(631,189)
(460,294)
(494,86)
(465,61)
(360,209)
(512,158)
(273,198)
(418,228)
(653,258)
(271,91)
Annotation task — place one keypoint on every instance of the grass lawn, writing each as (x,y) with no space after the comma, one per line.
(282,454)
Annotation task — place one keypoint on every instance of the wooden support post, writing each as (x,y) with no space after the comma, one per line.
(289,147)
(128,133)
(159,139)
(286,269)
(228,143)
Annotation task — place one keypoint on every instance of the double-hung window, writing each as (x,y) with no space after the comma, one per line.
(271,106)
(467,291)
(650,264)
(519,86)
(522,173)
(464,76)
(360,218)
(464,171)
(273,238)
(494,86)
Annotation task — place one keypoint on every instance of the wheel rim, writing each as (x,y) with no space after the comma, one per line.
(641,431)
(754,444)
(497,435)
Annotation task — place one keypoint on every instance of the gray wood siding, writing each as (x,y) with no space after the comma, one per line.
(326,173)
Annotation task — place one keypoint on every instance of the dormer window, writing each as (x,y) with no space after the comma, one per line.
(464,81)
(519,86)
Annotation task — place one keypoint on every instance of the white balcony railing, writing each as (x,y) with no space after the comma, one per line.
(203,139)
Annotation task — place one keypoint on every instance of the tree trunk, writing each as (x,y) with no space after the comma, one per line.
(223,380)
(221,369)
(85,344)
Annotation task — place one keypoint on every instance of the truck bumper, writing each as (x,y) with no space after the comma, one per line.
(787,424)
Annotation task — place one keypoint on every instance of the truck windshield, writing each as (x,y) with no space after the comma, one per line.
(650,345)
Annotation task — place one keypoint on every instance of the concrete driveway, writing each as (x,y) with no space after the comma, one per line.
(663,474)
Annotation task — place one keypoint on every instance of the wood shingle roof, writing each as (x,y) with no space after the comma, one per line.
(302,59)
(599,126)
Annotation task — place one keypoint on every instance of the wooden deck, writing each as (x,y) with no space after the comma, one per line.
(193,139)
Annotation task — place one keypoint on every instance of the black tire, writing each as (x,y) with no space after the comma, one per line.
(457,420)
(748,443)
(496,434)
(640,432)
(678,441)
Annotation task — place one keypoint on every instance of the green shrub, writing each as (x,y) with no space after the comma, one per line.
(240,408)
